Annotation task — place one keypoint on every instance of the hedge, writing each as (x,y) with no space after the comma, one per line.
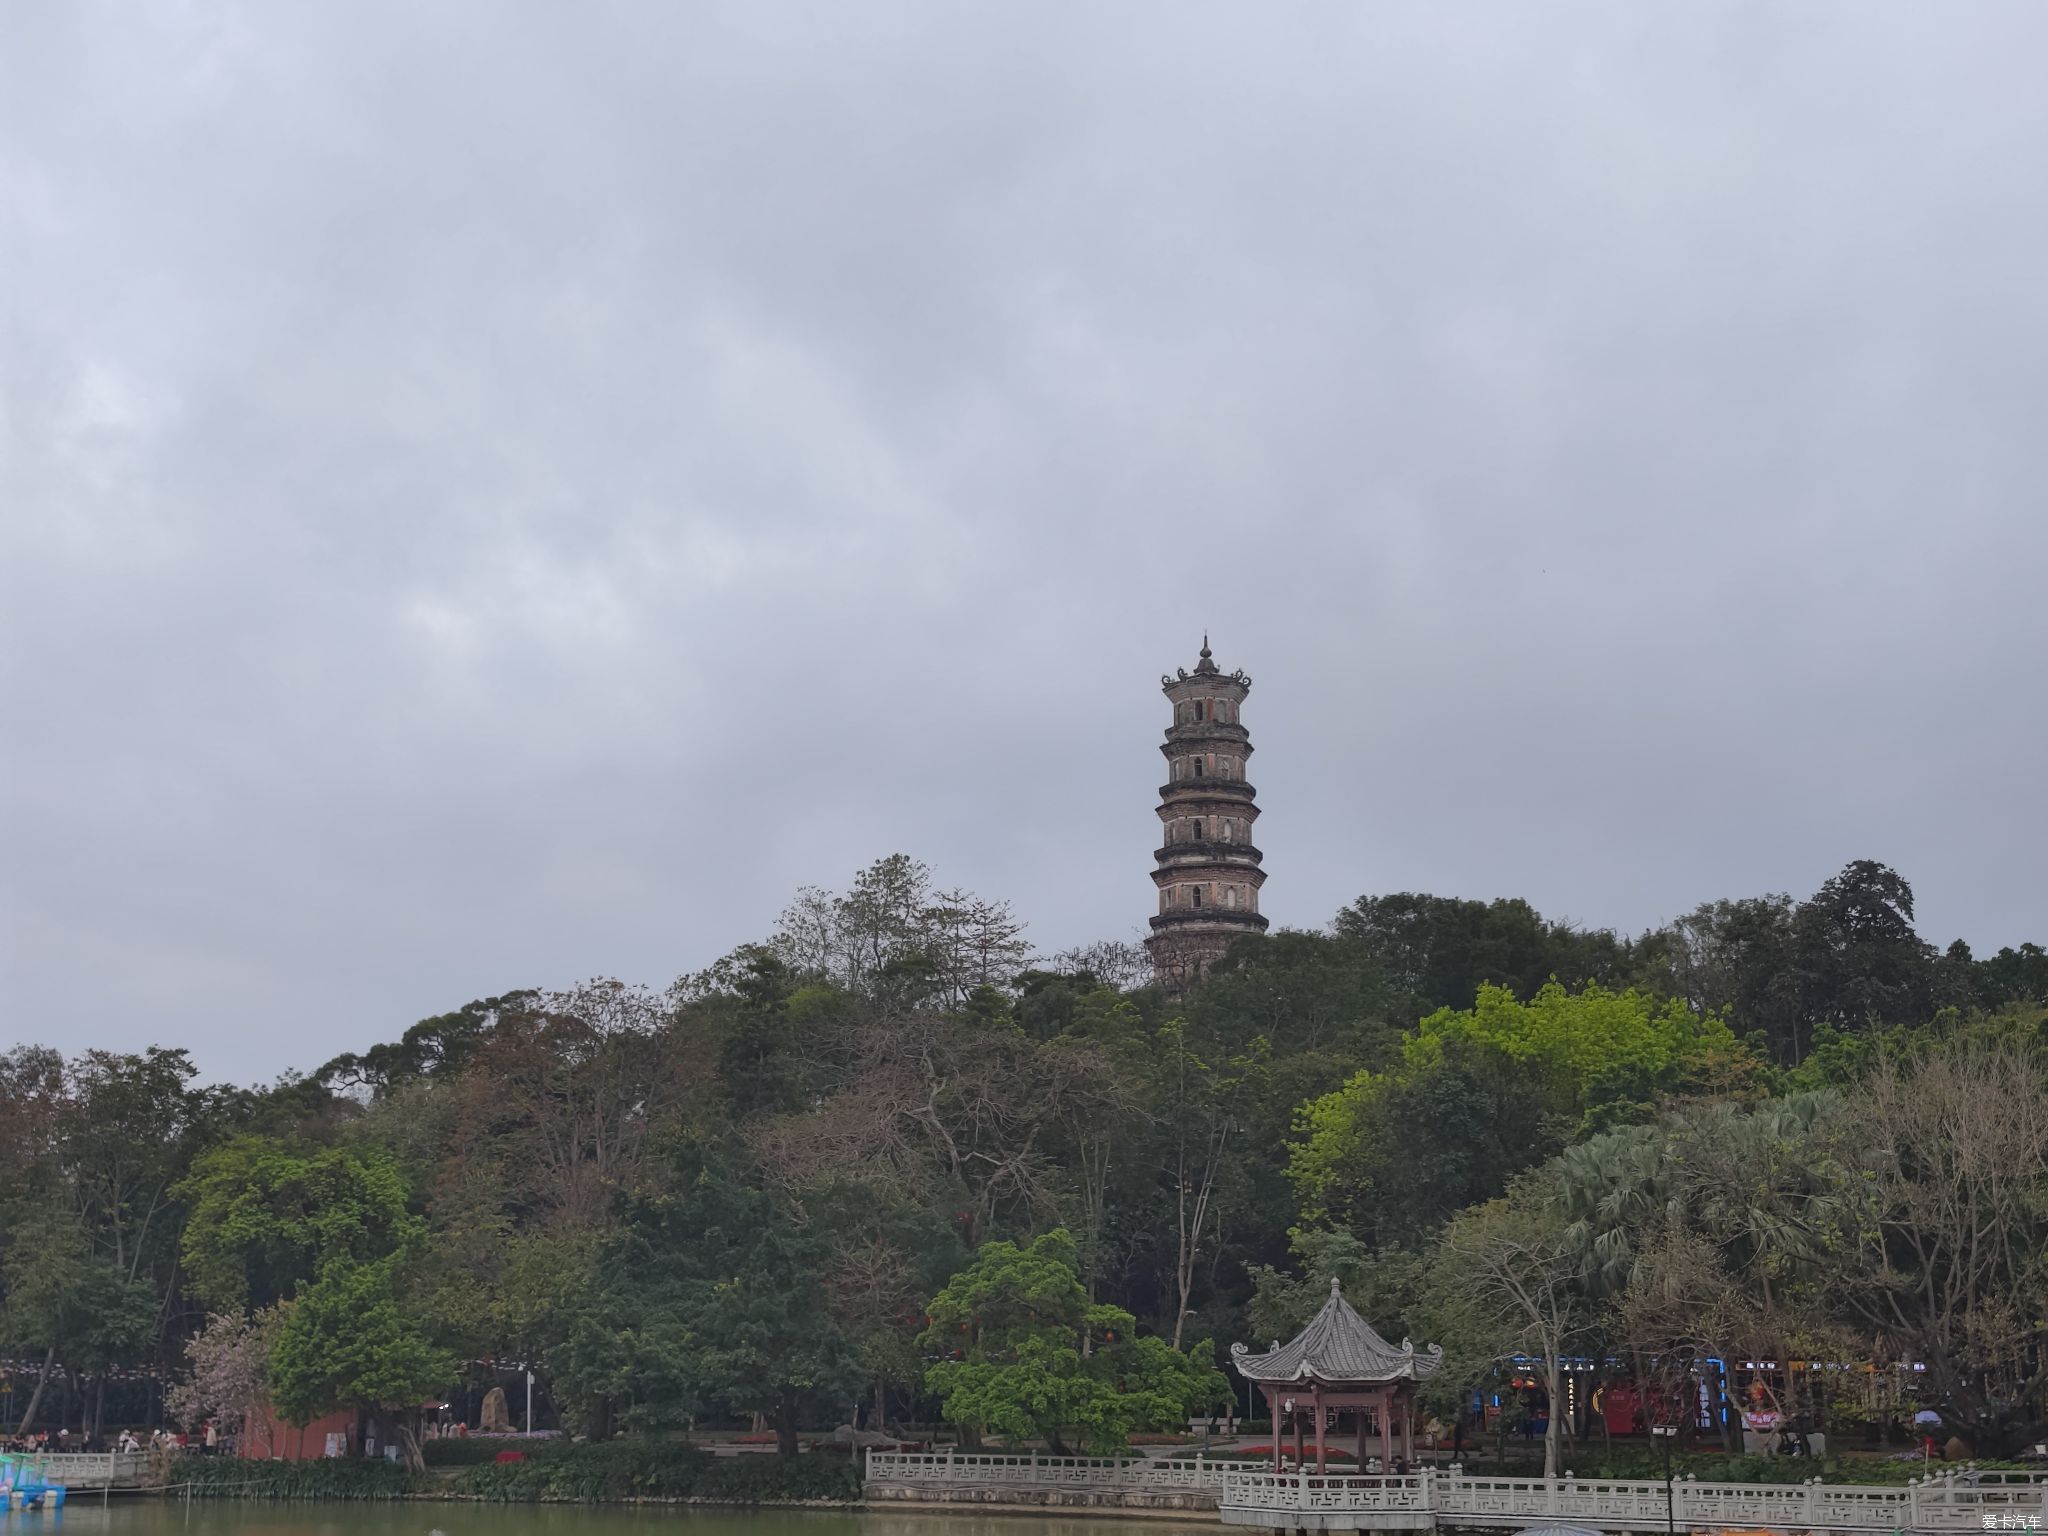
(477,1450)
(225,1477)
(660,1469)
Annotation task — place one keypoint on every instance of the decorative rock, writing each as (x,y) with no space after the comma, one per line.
(496,1420)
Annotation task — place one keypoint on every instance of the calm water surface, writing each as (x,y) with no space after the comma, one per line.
(170,1517)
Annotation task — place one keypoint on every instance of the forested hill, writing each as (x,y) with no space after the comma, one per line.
(749,1191)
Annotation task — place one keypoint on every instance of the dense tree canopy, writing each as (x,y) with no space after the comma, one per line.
(885,1163)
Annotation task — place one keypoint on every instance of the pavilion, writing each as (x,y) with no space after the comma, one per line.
(1338,1364)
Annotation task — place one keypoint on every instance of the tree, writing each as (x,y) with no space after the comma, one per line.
(1857,961)
(561,1103)
(1387,1286)
(899,942)
(59,1298)
(1946,1223)
(1712,1230)
(228,1371)
(1511,1267)
(1199,1107)
(1478,1095)
(355,1338)
(710,1289)
(947,1107)
(1114,963)
(444,1043)
(266,1217)
(1438,951)
(1732,960)
(1030,1356)
(759,1063)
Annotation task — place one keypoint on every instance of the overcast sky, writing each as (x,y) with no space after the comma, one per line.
(495,494)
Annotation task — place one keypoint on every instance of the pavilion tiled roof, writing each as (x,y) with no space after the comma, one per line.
(1337,1346)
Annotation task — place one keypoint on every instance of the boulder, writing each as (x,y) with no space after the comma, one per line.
(496,1420)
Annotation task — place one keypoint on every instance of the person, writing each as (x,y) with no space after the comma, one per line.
(212,1437)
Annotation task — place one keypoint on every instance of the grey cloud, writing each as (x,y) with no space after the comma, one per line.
(493,494)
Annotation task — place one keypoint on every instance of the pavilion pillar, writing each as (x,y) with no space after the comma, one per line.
(1322,1451)
(1273,1421)
(1364,1419)
(1408,1428)
(1298,1430)
(1386,1429)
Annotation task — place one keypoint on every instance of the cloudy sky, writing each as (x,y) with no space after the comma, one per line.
(492,494)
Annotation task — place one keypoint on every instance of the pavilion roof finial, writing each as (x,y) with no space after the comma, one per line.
(1207,665)
(1336,1288)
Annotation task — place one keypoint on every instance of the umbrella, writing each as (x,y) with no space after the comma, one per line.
(1926,1416)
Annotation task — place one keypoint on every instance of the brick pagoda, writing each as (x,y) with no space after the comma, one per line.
(1208,871)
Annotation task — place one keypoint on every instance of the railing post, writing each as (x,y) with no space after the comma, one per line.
(1912,1503)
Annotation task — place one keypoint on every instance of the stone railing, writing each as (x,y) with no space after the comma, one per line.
(1963,1501)
(84,1470)
(1248,1494)
(1105,1474)
(1327,1491)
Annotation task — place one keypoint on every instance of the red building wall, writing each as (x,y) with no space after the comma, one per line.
(267,1438)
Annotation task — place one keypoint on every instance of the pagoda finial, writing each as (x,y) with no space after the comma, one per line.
(1206,667)
(1336,1288)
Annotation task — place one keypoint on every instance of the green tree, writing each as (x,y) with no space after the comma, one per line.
(1437,951)
(1030,1356)
(759,1064)
(1480,1094)
(357,1338)
(266,1216)
(710,1290)
(1857,959)
(59,1299)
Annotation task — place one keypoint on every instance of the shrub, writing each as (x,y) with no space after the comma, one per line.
(662,1469)
(224,1477)
(477,1451)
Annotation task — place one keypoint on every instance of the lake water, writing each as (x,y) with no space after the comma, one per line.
(172,1517)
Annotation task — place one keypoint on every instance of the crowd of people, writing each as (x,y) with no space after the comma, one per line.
(62,1442)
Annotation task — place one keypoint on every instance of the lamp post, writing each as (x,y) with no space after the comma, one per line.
(1666,1433)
